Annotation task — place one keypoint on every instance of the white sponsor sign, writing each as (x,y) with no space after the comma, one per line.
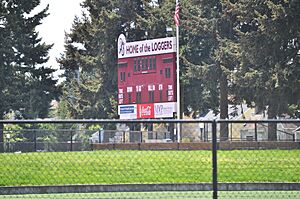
(145,47)
(164,110)
(161,110)
(128,111)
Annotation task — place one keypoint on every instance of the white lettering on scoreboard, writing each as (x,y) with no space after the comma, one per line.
(145,47)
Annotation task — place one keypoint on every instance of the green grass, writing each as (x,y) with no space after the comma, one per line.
(153,195)
(110,167)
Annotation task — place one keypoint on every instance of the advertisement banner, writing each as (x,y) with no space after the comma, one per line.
(164,110)
(127,111)
(145,111)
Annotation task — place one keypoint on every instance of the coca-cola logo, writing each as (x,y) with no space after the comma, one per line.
(146,110)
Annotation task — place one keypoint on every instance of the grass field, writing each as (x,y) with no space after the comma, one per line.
(153,195)
(110,167)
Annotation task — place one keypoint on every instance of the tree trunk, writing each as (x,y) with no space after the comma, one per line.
(223,107)
(272,127)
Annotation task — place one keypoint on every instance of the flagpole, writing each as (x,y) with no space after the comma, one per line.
(177,79)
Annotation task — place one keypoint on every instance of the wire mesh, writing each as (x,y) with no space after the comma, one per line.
(254,165)
(144,160)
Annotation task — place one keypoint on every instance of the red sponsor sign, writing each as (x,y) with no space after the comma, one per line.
(145,111)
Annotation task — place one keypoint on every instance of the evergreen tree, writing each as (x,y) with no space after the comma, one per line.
(26,86)
(223,45)
(209,56)
(90,61)
(270,70)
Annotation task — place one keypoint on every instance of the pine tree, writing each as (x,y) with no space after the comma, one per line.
(209,54)
(26,86)
(90,67)
(90,61)
(270,70)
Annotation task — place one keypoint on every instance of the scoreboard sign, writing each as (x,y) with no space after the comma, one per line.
(145,47)
(146,78)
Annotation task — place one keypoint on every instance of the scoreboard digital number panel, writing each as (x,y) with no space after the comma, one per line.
(146,78)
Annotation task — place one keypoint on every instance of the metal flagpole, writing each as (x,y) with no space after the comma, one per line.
(177,69)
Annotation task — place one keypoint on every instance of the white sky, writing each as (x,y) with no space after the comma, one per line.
(60,19)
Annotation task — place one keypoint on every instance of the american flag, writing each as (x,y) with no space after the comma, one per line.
(176,15)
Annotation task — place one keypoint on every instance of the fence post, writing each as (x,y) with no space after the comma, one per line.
(71,149)
(124,135)
(255,131)
(231,131)
(35,137)
(214,160)
(99,136)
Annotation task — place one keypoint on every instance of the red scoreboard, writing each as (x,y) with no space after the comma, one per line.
(146,78)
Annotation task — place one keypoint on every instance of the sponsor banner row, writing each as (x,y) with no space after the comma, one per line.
(147,111)
(145,47)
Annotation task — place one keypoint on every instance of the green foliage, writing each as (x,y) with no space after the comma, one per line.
(269,71)
(209,52)
(94,127)
(229,52)
(13,133)
(270,56)
(26,85)
(90,61)
(89,69)
(241,50)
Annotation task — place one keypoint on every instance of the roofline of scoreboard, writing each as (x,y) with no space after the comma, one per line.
(124,58)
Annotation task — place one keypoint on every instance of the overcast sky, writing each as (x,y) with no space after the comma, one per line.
(52,30)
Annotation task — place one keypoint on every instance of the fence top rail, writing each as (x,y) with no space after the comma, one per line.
(260,121)
(103,121)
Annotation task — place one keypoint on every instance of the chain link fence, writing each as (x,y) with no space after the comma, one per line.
(144,159)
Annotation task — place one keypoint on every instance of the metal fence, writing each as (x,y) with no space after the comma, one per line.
(144,159)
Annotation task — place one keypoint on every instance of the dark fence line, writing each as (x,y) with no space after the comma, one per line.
(115,121)
(252,132)
(80,146)
(16,190)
